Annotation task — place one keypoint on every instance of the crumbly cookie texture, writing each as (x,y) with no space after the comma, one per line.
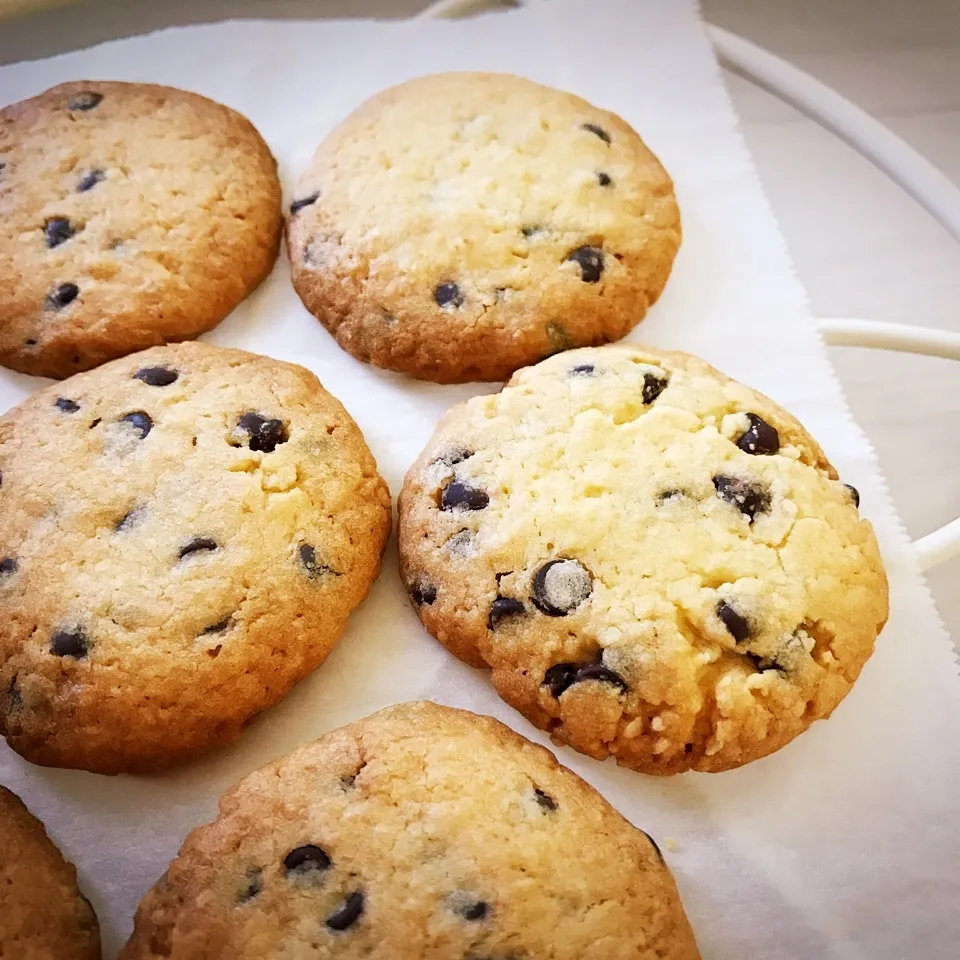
(183,534)
(132,215)
(462,225)
(657,563)
(421,831)
(43,914)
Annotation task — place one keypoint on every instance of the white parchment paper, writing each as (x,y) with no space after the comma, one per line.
(844,844)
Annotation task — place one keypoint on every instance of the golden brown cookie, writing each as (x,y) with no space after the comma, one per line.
(131,215)
(656,562)
(43,914)
(183,534)
(462,225)
(421,832)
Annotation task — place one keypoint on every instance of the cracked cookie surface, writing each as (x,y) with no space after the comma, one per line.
(43,914)
(656,562)
(463,225)
(132,215)
(183,533)
(421,831)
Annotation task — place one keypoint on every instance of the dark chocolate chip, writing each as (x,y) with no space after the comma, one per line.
(561,676)
(198,545)
(310,562)
(544,799)
(8,566)
(475,910)
(306,859)
(560,586)
(65,405)
(95,423)
(86,100)
(69,643)
(448,295)
(738,625)
(156,376)
(503,607)
(298,205)
(217,627)
(64,295)
(348,914)
(590,260)
(461,496)
(583,370)
(655,845)
(596,131)
(597,671)
(30,343)
(58,230)
(854,493)
(254,885)
(89,180)
(604,179)
(265,435)
(452,457)
(748,497)
(653,386)
(423,593)
(140,421)
(760,437)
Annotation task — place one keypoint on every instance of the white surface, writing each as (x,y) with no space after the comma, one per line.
(843,844)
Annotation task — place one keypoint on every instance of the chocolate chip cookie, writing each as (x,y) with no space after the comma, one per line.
(131,215)
(424,832)
(183,533)
(462,225)
(43,914)
(657,563)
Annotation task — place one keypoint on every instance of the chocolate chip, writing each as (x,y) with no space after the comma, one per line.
(30,343)
(760,438)
(348,914)
(597,131)
(89,180)
(298,205)
(653,386)
(306,859)
(737,624)
(95,423)
(8,567)
(748,497)
(65,294)
(254,885)
(560,586)
(544,799)
(854,493)
(423,593)
(448,295)
(452,457)
(264,435)
(86,100)
(198,545)
(58,230)
(217,627)
(156,376)
(503,607)
(310,562)
(65,405)
(461,496)
(591,263)
(475,910)
(583,370)
(602,674)
(69,643)
(140,421)
(654,844)
(561,676)
(604,179)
